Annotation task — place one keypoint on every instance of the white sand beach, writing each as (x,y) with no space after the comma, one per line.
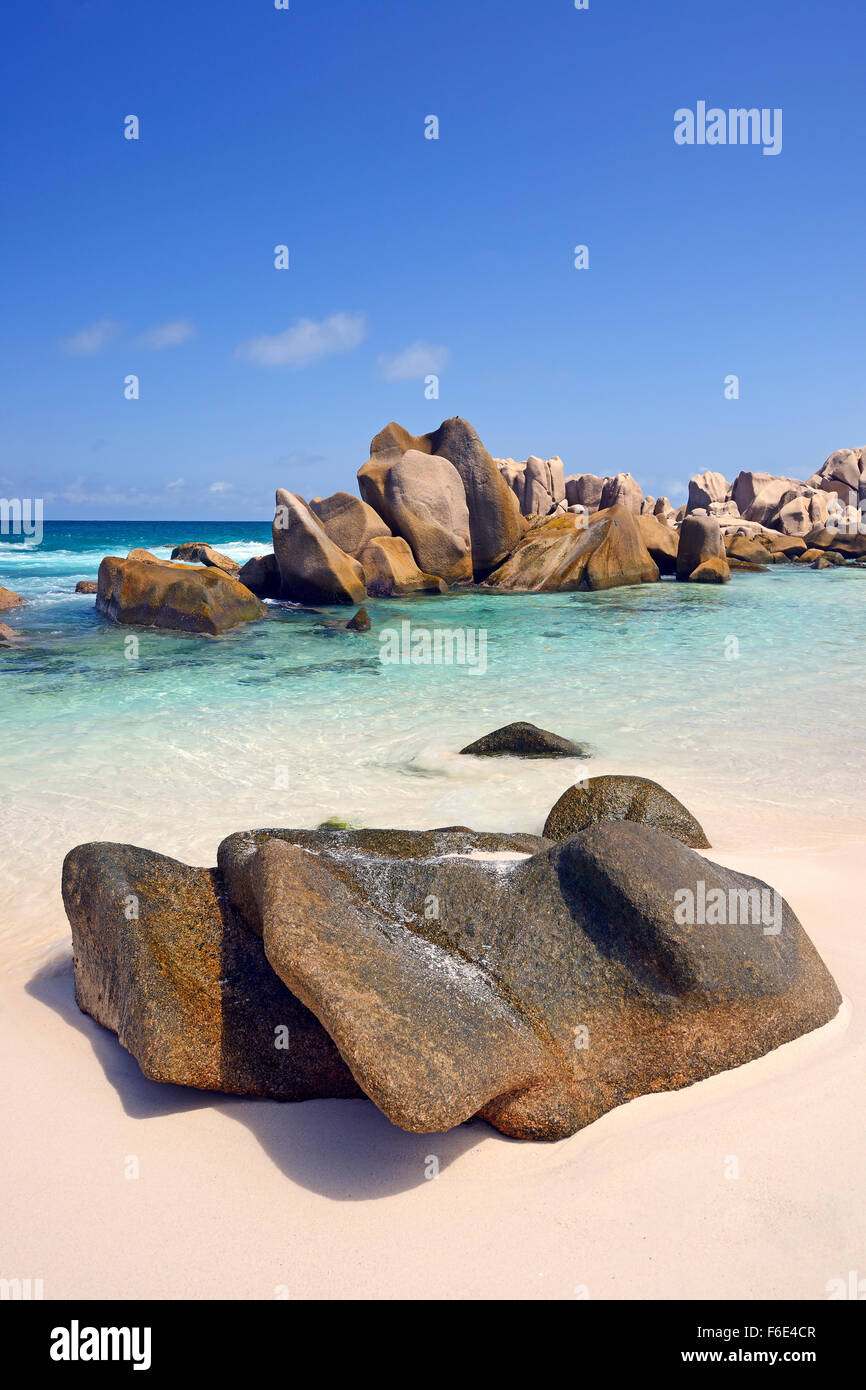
(256,1200)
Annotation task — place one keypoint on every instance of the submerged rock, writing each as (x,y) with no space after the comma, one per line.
(617,798)
(522,740)
(360,622)
(142,591)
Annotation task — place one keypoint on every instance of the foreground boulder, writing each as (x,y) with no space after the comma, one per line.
(312,568)
(199,553)
(458,974)
(391,571)
(546,991)
(9,599)
(348,521)
(568,553)
(162,960)
(524,741)
(615,798)
(159,593)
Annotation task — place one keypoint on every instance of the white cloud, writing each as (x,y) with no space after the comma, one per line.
(220,487)
(305,342)
(167,335)
(92,339)
(178,482)
(414,362)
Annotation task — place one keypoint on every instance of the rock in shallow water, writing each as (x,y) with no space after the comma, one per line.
(522,740)
(537,987)
(142,591)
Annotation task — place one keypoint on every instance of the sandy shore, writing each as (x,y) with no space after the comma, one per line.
(244,1199)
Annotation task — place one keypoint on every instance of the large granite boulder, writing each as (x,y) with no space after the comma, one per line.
(567,553)
(9,599)
(706,488)
(391,571)
(312,568)
(495,523)
(622,491)
(715,570)
(523,740)
(585,490)
(660,540)
(261,575)
(545,991)
(426,500)
(617,798)
(752,550)
(200,553)
(162,959)
(146,592)
(700,540)
(535,985)
(843,474)
(348,521)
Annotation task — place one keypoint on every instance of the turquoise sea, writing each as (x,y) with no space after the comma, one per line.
(745,701)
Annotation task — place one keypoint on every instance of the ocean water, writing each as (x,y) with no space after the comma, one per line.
(745,701)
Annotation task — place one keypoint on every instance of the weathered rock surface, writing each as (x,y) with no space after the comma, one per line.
(147,592)
(495,522)
(616,798)
(712,571)
(660,540)
(162,960)
(548,986)
(622,491)
(426,500)
(545,993)
(538,484)
(843,473)
(9,634)
(348,521)
(391,571)
(706,488)
(359,622)
(199,553)
(9,599)
(567,553)
(523,740)
(700,540)
(312,568)
(261,575)
(751,550)
(87,586)
(585,489)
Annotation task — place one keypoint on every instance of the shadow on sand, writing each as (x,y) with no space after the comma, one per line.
(344,1149)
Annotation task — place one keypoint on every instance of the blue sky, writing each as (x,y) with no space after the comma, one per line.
(262,127)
